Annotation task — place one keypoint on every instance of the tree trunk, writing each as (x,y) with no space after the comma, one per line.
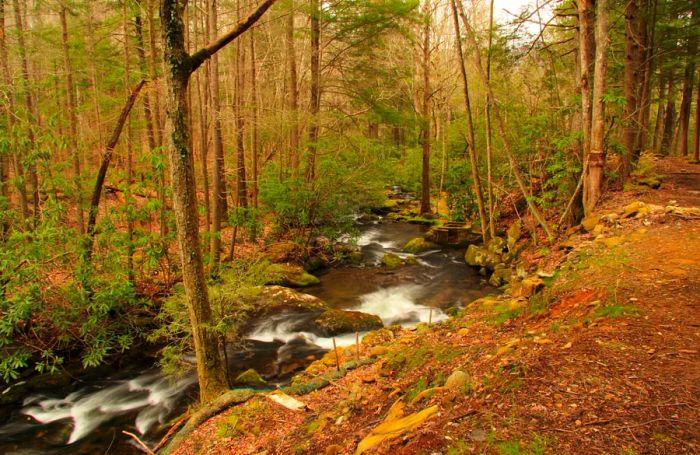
(293,93)
(211,370)
(315,89)
(220,212)
(254,146)
(241,183)
(660,113)
(634,40)
(425,111)
(669,116)
(592,185)
(696,142)
(102,171)
(686,100)
(8,110)
(502,126)
(32,113)
(476,185)
(649,59)
(586,55)
(489,145)
(72,120)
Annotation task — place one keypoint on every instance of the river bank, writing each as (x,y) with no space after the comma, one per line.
(604,359)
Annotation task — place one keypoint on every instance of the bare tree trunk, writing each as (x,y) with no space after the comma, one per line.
(425,132)
(686,99)
(9,109)
(102,172)
(502,126)
(219,181)
(586,54)
(489,145)
(241,184)
(293,92)
(254,119)
(72,119)
(30,106)
(669,115)
(147,111)
(696,142)
(315,90)
(649,59)
(476,185)
(203,98)
(633,76)
(129,148)
(660,114)
(592,185)
(158,120)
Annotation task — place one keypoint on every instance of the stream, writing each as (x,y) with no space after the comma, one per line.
(88,416)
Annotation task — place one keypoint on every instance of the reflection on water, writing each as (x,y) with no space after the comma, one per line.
(90,419)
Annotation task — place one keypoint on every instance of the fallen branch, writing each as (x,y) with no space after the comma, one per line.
(140,443)
(171,431)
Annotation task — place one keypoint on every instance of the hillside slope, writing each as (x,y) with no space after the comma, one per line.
(604,359)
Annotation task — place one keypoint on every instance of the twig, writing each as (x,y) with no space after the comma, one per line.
(171,431)
(636,425)
(140,443)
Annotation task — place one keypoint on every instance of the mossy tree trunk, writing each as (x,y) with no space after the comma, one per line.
(179,66)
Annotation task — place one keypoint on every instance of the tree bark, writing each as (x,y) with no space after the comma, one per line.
(32,113)
(633,75)
(489,135)
(102,171)
(8,109)
(586,55)
(315,88)
(241,179)
(502,126)
(592,185)
(476,185)
(211,368)
(696,142)
(220,206)
(669,116)
(425,132)
(686,99)
(254,145)
(293,93)
(72,119)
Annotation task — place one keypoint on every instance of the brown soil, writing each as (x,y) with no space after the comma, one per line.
(604,360)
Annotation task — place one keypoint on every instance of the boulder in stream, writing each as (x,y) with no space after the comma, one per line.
(290,275)
(333,322)
(419,245)
(276,299)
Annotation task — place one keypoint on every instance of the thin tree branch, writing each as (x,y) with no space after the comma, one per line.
(204,54)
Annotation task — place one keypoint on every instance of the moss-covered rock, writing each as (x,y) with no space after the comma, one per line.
(315,263)
(513,234)
(334,321)
(284,251)
(378,337)
(275,299)
(419,245)
(496,245)
(355,257)
(501,275)
(590,222)
(411,260)
(250,376)
(290,275)
(391,260)
(478,256)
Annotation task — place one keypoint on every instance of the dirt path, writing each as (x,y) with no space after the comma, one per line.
(604,360)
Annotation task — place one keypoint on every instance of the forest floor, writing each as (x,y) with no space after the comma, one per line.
(605,359)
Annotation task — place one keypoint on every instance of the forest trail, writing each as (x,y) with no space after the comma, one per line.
(604,360)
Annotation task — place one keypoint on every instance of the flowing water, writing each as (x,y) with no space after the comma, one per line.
(88,417)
